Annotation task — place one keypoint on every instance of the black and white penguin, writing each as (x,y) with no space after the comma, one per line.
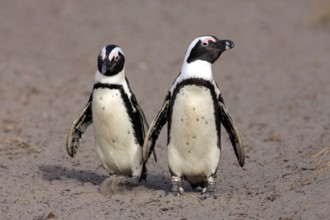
(194,109)
(119,122)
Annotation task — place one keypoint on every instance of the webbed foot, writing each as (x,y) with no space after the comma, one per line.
(208,191)
(176,189)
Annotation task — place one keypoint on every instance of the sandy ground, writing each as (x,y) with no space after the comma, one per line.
(275,82)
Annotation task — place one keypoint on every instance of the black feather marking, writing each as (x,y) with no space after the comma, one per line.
(139,109)
(206,53)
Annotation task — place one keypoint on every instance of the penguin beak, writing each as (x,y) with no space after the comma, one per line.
(105,65)
(223,45)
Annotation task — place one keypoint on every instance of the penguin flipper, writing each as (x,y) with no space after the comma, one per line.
(143,120)
(233,132)
(139,109)
(78,128)
(154,129)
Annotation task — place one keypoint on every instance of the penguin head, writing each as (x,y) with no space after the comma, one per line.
(111,60)
(207,48)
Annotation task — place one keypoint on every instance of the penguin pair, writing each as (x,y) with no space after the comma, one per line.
(194,109)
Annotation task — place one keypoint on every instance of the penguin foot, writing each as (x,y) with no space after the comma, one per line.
(207,195)
(130,181)
(176,189)
(209,190)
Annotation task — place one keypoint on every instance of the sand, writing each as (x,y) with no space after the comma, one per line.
(275,82)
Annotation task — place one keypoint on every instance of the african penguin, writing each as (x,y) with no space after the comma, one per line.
(194,109)
(119,122)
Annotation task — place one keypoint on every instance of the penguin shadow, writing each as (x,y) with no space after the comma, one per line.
(107,185)
(53,172)
(110,185)
(157,182)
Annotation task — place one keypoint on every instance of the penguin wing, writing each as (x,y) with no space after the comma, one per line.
(154,129)
(142,119)
(233,132)
(78,128)
(140,112)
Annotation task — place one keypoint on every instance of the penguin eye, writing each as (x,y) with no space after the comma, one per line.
(116,58)
(205,43)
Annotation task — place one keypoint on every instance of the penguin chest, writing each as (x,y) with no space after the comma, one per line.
(116,145)
(193,145)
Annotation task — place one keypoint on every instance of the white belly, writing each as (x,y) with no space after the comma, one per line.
(115,141)
(193,148)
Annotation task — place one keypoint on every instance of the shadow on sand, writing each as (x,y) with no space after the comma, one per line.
(52,172)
